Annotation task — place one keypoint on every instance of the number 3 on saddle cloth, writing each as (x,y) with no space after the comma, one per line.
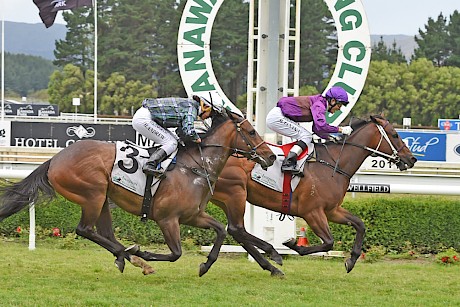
(274,179)
(127,169)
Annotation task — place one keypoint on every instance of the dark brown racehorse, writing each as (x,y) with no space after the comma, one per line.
(81,173)
(319,195)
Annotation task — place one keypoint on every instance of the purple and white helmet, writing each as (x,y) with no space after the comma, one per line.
(339,94)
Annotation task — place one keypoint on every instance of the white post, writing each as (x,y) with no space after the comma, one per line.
(32,226)
(95,60)
(3,61)
(250,82)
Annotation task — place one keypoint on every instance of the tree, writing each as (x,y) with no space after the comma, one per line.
(419,90)
(141,43)
(454,35)
(66,85)
(434,43)
(121,97)
(318,43)
(21,73)
(380,52)
(78,47)
(229,47)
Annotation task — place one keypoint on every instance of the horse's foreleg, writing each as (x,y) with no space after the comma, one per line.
(171,234)
(204,220)
(343,216)
(244,238)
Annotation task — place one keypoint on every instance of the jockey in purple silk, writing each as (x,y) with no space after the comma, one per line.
(289,111)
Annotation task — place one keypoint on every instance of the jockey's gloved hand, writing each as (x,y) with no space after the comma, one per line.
(347,130)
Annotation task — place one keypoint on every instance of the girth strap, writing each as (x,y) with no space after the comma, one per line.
(286,195)
(147,199)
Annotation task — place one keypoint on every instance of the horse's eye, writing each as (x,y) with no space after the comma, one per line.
(252,132)
(395,135)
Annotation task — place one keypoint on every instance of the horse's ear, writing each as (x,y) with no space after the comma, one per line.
(374,120)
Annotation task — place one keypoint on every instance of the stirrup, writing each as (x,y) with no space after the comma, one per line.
(156,173)
(293,170)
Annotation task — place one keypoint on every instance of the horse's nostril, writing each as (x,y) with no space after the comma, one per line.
(272,158)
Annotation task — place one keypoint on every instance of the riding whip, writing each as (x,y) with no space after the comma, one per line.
(205,170)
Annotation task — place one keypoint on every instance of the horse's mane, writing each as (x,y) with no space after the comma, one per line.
(357,123)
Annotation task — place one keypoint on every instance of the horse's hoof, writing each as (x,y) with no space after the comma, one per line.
(133,249)
(277,273)
(203,270)
(277,258)
(120,265)
(290,243)
(349,265)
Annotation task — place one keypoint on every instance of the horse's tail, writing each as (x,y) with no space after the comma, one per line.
(14,197)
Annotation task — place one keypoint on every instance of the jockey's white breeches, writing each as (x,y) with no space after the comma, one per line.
(143,123)
(279,123)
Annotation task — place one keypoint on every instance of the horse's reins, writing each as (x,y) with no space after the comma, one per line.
(394,157)
(205,170)
(250,155)
(235,151)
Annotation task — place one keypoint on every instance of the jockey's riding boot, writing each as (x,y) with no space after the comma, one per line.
(290,164)
(150,168)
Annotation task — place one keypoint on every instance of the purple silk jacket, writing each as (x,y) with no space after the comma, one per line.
(308,109)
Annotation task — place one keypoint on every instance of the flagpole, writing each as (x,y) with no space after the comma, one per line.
(3,60)
(95,60)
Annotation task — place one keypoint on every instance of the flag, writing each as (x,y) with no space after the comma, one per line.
(48,8)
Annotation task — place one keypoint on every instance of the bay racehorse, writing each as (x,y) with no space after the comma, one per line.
(319,194)
(81,174)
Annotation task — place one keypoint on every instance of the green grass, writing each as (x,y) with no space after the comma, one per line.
(86,276)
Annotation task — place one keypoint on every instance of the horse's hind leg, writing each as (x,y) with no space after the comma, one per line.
(343,216)
(104,228)
(317,221)
(85,228)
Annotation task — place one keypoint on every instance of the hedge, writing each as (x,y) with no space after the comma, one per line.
(65,215)
(427,224)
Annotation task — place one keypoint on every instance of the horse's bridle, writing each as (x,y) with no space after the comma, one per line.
(383,135)
(250,155)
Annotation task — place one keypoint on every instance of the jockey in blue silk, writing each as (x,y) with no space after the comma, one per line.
(157,114)
(289,111)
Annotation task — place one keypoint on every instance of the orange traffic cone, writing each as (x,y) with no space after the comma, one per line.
(302,240)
